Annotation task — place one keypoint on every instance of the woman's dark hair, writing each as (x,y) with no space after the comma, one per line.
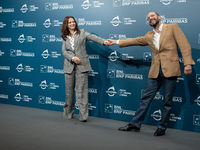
(64,28)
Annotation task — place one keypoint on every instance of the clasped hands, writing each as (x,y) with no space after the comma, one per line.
(110,42)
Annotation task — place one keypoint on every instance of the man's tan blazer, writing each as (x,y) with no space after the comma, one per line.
(167,56)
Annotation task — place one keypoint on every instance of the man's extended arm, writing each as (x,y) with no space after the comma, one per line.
(129,42)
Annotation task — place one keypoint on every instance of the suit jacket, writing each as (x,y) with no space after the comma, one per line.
(171,37)
(79,51)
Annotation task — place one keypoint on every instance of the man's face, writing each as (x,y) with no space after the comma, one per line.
(153,19)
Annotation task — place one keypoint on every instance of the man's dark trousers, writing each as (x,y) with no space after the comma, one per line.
(152,86)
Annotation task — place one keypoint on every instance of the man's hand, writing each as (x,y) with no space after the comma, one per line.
(77,60)
(188,70)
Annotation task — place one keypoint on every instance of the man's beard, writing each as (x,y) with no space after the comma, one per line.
(155,24)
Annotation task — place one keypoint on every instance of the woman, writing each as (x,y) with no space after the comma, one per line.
(76,66)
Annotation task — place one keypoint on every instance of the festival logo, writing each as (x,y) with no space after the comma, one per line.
(111,91)
(20,68)
(47,23)
(166,2)
(53,54)
(18,97)
(44,85)
(113,56)
(115,21)
(86,4)
(24,8)
(157,115)
(45,54)
(25,98)
(22,38)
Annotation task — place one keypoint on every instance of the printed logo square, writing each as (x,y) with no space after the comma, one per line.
(147,57)
(108,108)
(111,73)
(196,120)
(43,69)
(48,6)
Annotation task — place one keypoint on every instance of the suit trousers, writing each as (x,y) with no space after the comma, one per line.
(152,87)
(76,83)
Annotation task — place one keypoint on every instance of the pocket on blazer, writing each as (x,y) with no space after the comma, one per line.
(172,59)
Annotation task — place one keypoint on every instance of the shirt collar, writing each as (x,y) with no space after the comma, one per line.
(69,37)
(160,28)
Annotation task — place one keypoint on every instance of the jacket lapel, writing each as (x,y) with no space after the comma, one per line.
(151,40)
(164,30)
(151,37)
(68,42)
(75,40)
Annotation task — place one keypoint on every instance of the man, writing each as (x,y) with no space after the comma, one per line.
(165,67)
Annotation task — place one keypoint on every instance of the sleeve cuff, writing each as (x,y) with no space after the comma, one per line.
(73,59)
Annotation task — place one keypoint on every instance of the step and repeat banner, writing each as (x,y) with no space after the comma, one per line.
(31,62)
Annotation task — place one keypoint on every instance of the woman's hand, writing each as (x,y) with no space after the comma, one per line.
(77,60)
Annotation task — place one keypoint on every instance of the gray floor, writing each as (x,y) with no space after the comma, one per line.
(23,128)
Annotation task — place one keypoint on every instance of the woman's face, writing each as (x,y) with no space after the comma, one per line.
(71,24)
